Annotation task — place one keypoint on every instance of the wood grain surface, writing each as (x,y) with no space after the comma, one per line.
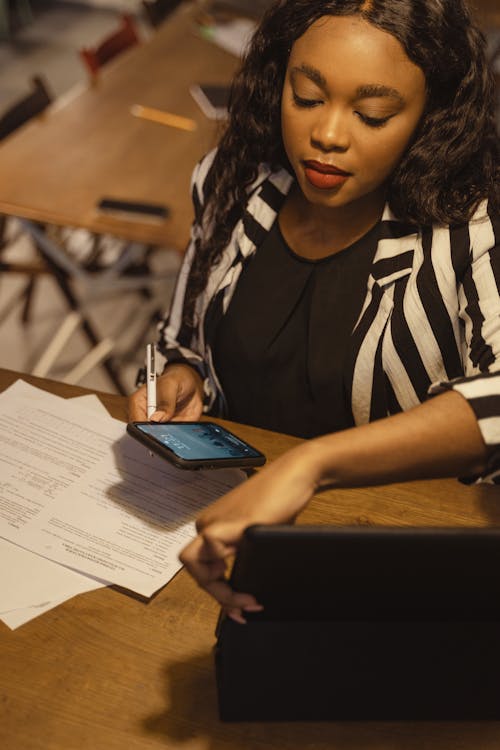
(57,167)
(105,671)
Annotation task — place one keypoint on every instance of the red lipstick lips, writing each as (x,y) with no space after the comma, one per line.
(324,176)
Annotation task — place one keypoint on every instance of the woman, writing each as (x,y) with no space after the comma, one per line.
(344,262)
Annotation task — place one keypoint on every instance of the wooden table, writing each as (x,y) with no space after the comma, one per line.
(88,146)
(57,167)
(105,671)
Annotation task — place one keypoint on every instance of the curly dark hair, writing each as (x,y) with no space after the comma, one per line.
(452,161)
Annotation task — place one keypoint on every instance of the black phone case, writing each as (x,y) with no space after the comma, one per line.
(181,463)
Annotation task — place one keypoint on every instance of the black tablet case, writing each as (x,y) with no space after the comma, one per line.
(364,623)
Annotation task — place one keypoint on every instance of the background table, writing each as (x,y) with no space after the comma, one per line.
(88,146)
(56,168)
(105,671)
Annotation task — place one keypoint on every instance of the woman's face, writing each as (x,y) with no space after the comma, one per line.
(351,102)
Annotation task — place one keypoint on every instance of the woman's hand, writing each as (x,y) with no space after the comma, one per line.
(439,438)
(275,494)
(179,396)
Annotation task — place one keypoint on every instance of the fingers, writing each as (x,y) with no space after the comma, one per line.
(238,615)
(178,398)
(179,393)
(206,561)
(205,558)
(190,413)
(167,390)
(137,406)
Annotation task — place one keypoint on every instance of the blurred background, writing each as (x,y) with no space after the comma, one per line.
(43,37)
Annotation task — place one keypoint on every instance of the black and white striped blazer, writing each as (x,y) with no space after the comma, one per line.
(430,319)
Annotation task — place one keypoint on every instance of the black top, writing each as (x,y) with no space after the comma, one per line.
(280,348)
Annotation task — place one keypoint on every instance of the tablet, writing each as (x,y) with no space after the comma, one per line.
(367,573)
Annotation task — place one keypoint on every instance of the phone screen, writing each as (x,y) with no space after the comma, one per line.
(198,441)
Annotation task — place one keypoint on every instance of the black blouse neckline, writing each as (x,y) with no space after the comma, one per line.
(364,239)
(281,348)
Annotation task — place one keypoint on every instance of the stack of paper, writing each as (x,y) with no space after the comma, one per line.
(83,505)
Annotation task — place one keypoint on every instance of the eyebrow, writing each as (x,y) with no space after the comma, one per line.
(374,90)
(312,73)
(368,91)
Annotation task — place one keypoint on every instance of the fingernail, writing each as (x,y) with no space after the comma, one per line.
(237,618)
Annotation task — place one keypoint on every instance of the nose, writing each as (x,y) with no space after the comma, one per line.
(331,131)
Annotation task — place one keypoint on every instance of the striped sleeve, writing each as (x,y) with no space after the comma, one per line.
(479,297)
(179,342)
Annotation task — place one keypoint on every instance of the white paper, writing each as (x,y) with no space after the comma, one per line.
(77,489)
(28,580)
(22,388)
(30,584)
(19,617)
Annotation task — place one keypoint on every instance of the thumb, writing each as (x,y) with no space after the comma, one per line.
(167,398)
(219,541)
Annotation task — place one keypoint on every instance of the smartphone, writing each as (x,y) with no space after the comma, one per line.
(196,445)
(133,209)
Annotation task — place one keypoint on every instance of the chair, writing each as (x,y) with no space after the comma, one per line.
(124,37)
(83,287)
(157,10)
(25,108)
(13,118)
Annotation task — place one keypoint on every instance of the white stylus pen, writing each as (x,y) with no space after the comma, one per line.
(150,380)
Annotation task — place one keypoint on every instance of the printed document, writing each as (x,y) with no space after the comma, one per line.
(29,584)
(76,489)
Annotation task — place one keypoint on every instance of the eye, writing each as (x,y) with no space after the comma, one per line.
(302,102)
(374,122)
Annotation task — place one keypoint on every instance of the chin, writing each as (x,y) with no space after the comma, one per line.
(333,198)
